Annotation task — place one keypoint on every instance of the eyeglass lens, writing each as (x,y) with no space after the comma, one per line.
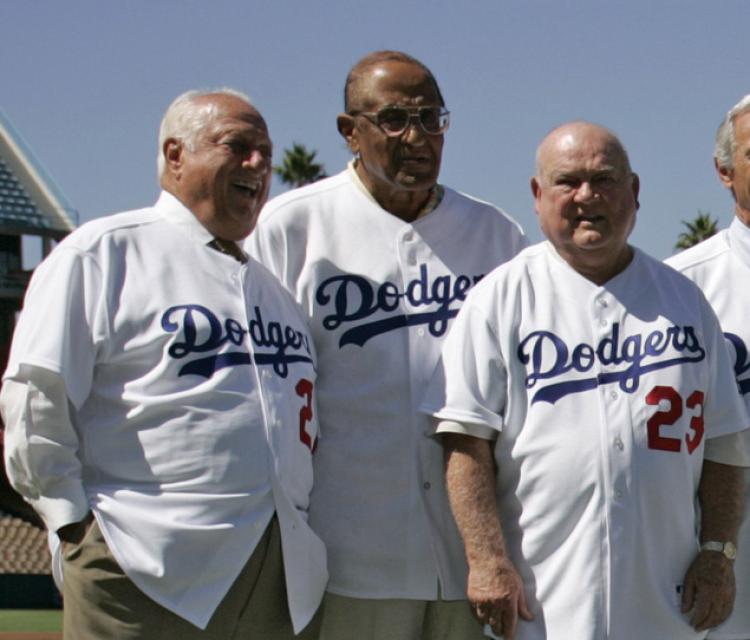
(396,119)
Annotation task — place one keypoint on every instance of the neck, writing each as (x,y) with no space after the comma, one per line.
(743,214)
(404,204)
(600,270)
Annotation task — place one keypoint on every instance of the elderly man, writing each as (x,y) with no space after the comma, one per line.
(720,266)
(580,390)
(158,404)
(381,257)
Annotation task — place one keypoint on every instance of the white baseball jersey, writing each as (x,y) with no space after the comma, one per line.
(601,398)
(190,379)
(720,266)
(380,294)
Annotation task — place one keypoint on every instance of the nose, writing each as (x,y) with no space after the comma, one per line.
(257,160)
(584,192)
(414,133)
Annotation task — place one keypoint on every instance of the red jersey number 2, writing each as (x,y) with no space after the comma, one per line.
(668,416)
(304,390)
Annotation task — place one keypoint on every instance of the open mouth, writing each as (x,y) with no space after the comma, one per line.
(590,219)
(248,189)
(416,159)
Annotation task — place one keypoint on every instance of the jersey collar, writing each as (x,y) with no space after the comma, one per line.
(739,240)
(178,214)
(436,193)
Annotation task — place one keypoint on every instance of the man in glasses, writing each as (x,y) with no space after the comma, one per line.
(381,257)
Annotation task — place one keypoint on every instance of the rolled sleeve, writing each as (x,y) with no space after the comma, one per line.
(41,446)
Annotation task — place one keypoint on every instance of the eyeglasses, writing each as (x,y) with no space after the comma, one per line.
(394,121)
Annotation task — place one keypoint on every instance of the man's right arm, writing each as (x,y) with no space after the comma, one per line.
(41,446)
(495,589)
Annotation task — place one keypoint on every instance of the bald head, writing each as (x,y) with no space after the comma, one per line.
(355,89)
(586,198)
(573,135)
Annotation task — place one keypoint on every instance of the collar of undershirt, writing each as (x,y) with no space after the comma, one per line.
(229,248)
(436,193)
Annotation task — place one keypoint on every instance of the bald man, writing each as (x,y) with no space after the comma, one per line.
(381,257)
(585,399)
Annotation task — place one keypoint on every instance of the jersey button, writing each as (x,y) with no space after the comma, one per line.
(409,236)
(618,494)
(426,485)
(420,332)
(619,445)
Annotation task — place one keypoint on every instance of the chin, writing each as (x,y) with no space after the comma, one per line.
(418,183)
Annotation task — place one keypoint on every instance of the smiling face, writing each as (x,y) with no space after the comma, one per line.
(586,198)
(398,171)
(224,177)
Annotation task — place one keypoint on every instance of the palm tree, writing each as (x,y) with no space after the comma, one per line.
(698,230)
(298,167)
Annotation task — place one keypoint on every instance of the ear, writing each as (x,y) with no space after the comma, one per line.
(345,125)
(536,191)
(726,175)
(172,151)
(635,186)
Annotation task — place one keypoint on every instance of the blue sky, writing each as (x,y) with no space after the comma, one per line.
(86,83)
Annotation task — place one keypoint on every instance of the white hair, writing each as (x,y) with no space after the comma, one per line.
(726,141)
(187,116)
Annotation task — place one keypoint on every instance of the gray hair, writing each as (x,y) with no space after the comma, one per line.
(726,141)
(187,116)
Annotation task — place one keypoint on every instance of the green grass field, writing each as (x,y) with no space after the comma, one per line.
(30,620)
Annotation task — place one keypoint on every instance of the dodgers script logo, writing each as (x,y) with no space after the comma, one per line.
(355,300)
(741,361)
(201,331)
(549,357)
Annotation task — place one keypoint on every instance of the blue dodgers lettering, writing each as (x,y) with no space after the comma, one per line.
(741,361)
(547,356)
(202,331)
(355,299)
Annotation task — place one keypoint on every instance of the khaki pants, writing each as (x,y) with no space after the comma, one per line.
(359,619)
(101,603)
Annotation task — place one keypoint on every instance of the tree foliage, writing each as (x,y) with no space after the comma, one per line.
(298,167)
(698,230)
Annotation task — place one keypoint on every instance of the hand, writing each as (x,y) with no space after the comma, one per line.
(74,532)
(496,595)
(709,590)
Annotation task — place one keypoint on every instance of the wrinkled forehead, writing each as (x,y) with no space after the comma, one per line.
(239,117)
(392,83)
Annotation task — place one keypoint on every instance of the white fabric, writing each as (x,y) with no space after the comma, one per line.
(599,519)
(380,294)
(720,266)
(181,366)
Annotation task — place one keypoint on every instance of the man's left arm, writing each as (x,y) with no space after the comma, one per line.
(709,587)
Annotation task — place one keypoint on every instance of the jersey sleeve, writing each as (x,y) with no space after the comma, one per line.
(41,446)
(49,376)
(469,382)
(63,320)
